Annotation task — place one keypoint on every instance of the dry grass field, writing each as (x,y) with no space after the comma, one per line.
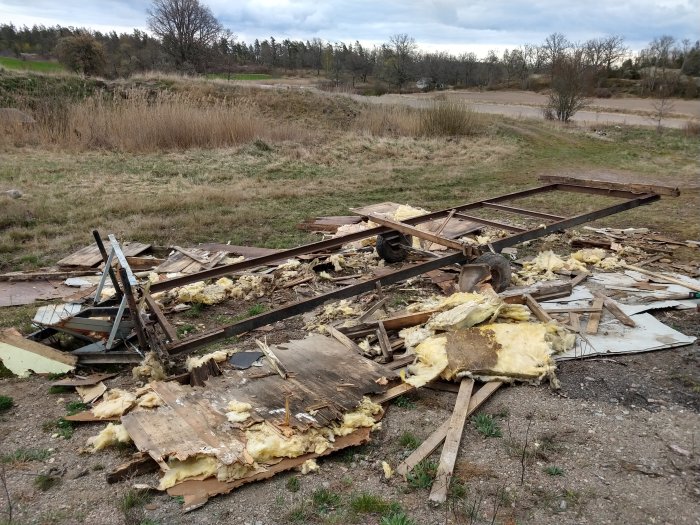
(178,161)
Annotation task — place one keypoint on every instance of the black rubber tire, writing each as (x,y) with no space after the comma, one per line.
(500,269)
(389,246)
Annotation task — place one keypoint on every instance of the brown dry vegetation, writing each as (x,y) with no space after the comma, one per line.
(189,161)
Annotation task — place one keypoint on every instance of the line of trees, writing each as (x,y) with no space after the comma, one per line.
(187,37)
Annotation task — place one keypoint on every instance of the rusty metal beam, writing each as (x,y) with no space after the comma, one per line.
(522,211)
(487,222)
(331,243)
(306,305)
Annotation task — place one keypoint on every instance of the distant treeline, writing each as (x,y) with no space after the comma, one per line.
(398,64)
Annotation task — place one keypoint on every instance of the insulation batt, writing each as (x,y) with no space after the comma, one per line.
(109,436)
(309,466)
(149,369)
(197,466)
(388,471)
(338,261)
(464,315)
(432,360)
(238,411)
(115,403)
(193,362)
(149,400)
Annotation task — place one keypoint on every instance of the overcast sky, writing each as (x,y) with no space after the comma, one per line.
(450,25)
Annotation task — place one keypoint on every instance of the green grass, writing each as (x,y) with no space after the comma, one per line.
(366,503)
(186,329)
(422,475)
(293,484)
(57,389)
(325,500)
(23,455)
(59,426)
(74,407)
(486,425)
(6,403)
(132,499)
(40,66)
(553,470)
(404,402)
(44,482)
(409,440)
(396,519)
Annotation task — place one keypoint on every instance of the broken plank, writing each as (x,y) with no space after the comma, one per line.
(574,321)
(249,252)
(573,309)
(22,356)
(90,380)
(412,230)
(344,340)
(536,309)
(384,343)
(169,329)
(191,255)
(376,306)
(433,441)
(453,437)
(578,279)
(407,320)
(393,393)
(90,256)
(140,463)
(594,319)
(666,278)
(614,309)
(539,291)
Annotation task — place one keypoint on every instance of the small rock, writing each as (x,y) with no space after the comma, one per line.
(76,473)
(14,194)
(151,506)
(562,504)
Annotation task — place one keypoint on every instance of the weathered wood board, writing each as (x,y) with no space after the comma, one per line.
(90,256)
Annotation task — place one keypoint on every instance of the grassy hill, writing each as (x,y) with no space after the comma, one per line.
(41,66)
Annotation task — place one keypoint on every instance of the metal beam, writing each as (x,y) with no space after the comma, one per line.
(487,222)
(523,211)
(330,243)
(301,307)
(573,221)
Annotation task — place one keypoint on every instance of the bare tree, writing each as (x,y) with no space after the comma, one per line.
(401,49)
(187,29)
(569,86)
(554,48)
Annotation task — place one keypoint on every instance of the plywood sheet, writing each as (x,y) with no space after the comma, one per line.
(23,356)
(90,256)
(16,293)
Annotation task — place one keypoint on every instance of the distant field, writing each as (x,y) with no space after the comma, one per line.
(241,76)
(43,66)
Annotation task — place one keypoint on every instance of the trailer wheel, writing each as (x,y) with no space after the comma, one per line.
(390,246)
(500,269)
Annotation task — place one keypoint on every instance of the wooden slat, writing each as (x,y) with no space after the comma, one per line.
(384,343)
(536,309)
(433,441)
(393,393)
(169,329)
(345,340)
(90,256)
(412,230)
(662,277)
(575,321)
(594,319)
(614,309)
(438,492)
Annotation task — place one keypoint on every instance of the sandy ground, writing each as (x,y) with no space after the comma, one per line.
(634,111)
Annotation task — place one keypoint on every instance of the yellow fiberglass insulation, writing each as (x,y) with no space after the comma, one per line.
(404,211)
(414,335)
(185,294)
(238,411)
(149,400)
(440,302)
(465,315)
(560,339)
(197,466)
(110,435)
(362,416)
(432,360)
(149,369)
(514,312)
(309,466)
(610,263)
(589,255)
(210,294)
(194,362)
(265,444)
(115,403)
(338,261)
(546,263)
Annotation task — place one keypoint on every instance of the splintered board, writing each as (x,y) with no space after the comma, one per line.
(90,256)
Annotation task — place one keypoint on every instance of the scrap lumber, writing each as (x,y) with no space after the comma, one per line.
(91,393)
(578,279)
(384,343)
(376,306)
(90,256)
(393,393)
(453,437)
(663,277)
(23,356)
(76,381)
(574,321)
(345,340)
(191,255)
(328,224)
(433,441)
(416,232)
(594,319)
(140,463)
(249,252)
(50,274)
(614,309)
(541,291)
(536,309)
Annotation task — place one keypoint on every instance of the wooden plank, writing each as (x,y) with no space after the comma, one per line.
(572,309)
(249,252)
(594,319)
(384,343)
(90,256)
(578,279)
(192,255)
(614,309)
(169,329)
(376,306)
(393,393)
(540,291)
(412,230)
(448,457)
(536,309)
(404,321)
(433,441)
(140,463)
(345,340)
(90,380)
(660,276)
(636,188)
(574,321)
